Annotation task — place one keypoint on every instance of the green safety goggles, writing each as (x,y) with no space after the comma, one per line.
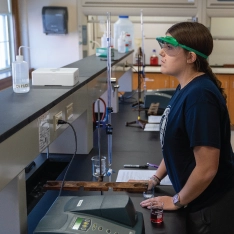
(171,46)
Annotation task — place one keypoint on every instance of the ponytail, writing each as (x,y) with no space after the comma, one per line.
(202,65)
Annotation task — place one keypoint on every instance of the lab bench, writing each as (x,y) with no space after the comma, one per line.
(131,145)
(27,129)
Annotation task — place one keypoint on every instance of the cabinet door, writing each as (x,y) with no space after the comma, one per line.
(149,81)
(134,80)
(173,82)
(220,4)
(231,99)
(153,81)
(160,81)
(225,84)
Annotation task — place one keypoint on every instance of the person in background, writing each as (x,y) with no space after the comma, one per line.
(195,134)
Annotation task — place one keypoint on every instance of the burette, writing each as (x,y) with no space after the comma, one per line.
(143,53)
(110,90)
(106,122)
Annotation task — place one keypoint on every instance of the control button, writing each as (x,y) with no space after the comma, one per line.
(100,229)
(116,233)
(108,231)
(94,226)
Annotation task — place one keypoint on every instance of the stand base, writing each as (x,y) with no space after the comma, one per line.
(140,123)
(140,103)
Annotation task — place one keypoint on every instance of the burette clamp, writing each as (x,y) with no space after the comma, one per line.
(109,109)
(104,123)
(109,129)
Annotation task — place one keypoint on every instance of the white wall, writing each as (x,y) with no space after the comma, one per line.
(152,27)
(222,30)
(52,50)
(57,51)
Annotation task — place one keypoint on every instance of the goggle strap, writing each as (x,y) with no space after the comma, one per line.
(193,50)
(173,41)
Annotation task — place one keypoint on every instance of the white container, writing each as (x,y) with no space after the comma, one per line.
(129,41)
(20,76)
(65,76)
(123,24)
(104,41)
(121,43)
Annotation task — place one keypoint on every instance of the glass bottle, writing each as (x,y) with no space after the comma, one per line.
(154,59)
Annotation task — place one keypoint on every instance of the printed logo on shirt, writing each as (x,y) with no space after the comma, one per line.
(163,124)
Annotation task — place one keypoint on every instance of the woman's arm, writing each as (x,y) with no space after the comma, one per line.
(161,172)
(207,162)
(159,175)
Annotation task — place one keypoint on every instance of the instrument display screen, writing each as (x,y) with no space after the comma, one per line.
(81,224)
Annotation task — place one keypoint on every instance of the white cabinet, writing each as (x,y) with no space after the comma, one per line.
(217,8)
(133,7)
(221,27)
(145,3)
(221,30)
(220,4)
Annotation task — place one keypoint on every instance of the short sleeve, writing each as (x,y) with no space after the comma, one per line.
(203,124)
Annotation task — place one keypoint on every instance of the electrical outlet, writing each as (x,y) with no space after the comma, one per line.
(69,111)
(58,116)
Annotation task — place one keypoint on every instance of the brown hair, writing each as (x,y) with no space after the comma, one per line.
(198,37)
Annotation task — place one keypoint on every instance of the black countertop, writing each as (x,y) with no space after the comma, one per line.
(18,110)
(131,145)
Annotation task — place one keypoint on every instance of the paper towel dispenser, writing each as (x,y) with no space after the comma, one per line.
(55,20)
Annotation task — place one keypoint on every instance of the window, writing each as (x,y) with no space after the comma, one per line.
(5,58)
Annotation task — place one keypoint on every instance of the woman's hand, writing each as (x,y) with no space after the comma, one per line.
(167,201)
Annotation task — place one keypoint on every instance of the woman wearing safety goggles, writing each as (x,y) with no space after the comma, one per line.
(171,46)
(195,134)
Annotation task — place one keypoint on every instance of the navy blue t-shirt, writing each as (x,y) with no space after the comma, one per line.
(197,116)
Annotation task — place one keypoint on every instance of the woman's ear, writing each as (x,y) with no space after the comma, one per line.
(191,58)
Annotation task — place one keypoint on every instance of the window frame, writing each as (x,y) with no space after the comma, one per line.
(10,44)
(14,38)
